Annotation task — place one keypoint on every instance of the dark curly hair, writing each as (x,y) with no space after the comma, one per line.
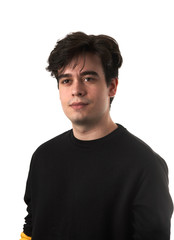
(78,43)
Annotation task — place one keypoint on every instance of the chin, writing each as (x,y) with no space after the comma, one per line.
(79,121)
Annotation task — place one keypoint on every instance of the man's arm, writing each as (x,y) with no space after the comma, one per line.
(153,207)
(27,228)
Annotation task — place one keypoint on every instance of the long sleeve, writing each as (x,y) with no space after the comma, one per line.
(152,208)
(27,228)
(111,188)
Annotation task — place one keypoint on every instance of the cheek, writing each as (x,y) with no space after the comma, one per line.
(63,102)
(62,95)
(101,101)
(101,95)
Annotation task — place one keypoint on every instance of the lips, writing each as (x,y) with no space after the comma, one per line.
(78,105)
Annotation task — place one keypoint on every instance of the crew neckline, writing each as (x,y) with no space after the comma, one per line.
(98,141)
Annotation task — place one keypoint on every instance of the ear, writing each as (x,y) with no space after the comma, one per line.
(113,87)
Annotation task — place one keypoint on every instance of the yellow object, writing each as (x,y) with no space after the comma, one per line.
(25,237)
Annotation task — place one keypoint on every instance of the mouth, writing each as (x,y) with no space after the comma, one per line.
(78,105)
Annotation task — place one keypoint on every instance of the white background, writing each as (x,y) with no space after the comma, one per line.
(30,109)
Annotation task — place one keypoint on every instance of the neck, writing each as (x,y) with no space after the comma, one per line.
(95,131)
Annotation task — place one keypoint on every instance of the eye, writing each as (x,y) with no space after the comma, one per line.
(88,79)
(65,81)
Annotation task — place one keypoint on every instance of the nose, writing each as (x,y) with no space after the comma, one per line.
(78,89)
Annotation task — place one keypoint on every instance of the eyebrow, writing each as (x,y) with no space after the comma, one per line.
(64,76)
(89,73)
(67,75)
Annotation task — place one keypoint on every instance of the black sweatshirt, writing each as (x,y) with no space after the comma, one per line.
(112,188)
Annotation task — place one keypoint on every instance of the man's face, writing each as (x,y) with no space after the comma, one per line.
(84,94)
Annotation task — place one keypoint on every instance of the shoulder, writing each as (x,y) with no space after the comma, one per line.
(140,153)
(55,144)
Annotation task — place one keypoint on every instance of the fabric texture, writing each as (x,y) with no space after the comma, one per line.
(115,187)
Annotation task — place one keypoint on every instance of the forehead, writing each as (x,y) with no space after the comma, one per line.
(84,62)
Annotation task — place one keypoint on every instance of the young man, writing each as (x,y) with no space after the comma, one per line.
(96,181)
